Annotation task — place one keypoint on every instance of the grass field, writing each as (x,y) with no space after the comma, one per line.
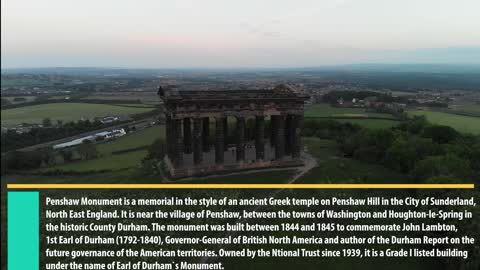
(144,97)
(465,106)
(142,138)
(64,111)
(352,115)
(468,124)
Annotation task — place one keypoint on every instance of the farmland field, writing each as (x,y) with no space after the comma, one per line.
(64,111)
(352,115)
(325,110)
(462,107)
(144,96)
(468,124)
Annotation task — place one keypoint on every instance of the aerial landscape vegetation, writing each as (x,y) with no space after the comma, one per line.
(37,108)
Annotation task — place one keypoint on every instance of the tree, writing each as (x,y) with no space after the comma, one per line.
(368,154)
(405,152)
(440,134)
(5,102)
(19,99)
(87,150)
(414,126)
(48,155)
(20,160)
(447,165)
(47,122)
(149,166)
(401,155)
(66,155)
(157,150)
(368,145)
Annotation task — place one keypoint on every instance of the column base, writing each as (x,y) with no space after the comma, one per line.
(208,166)
(178,173)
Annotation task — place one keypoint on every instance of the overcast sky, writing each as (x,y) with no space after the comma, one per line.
(237,33)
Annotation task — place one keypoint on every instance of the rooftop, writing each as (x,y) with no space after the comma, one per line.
(280,92)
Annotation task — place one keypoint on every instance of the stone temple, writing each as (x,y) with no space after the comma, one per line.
(222,131)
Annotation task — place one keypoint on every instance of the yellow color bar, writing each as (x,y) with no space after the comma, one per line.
(240,186)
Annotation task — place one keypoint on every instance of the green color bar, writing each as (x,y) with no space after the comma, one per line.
(23,231)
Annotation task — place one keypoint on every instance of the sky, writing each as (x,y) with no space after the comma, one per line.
(237,33)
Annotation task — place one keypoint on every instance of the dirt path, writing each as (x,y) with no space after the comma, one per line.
(310,163)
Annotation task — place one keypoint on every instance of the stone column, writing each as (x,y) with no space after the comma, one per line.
(197,141)
(297,135)
(240,140)
(249,128)
(279,121)
(187,135)
(168,135)
(225,132)
(178,145)
(259,137)
(273,128)
(289,130)
(206,134)
(219,140)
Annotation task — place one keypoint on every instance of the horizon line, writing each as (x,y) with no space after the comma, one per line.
(247,67)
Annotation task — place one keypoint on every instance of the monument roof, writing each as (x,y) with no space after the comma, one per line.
(280,92)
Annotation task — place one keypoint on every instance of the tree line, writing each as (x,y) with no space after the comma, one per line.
(417,148)
(47,156)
